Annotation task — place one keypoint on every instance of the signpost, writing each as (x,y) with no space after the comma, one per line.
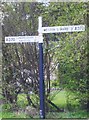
(39,38)
(21,39)
(57,29)
(41,72)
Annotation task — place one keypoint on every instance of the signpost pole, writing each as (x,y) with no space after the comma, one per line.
(41,72)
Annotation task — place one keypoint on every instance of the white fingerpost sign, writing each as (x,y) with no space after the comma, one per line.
(21,39)
(57,29)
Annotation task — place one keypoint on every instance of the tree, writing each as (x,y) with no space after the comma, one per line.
(20,62)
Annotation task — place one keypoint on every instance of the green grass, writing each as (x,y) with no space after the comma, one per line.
(78,114)
(7,114)
(60,99)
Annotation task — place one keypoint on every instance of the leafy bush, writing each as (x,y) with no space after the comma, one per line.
(22,101)
(6,107)
(72,101)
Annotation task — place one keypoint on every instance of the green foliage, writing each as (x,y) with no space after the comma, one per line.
(22,101)
(6,107)
(55,83)
(72,101)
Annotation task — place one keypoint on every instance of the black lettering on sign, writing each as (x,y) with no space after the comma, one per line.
(45,29)
(12,39)
(6,39)
(65,28)
(77,28)
(71,28)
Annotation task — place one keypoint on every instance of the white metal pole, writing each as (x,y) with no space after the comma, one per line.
(40,29)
